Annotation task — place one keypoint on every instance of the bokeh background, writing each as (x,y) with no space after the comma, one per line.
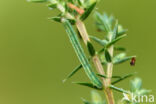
(36,55)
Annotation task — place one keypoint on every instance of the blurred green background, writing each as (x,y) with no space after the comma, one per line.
(36,55)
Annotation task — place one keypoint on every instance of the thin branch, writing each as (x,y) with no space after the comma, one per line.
(83,32)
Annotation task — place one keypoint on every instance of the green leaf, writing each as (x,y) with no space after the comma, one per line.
(136,84)
(81,55)
(122,60)
(116,40)
(80,2)
(123,78)
(101,42)
(143,92)
(119,57)
(104,76)
(58,19)
(96,98)
(52,5)
(90,49)
(102,22)
(88,11)
(85,101)
(136,87)
(119,49)
(38,1)
(121,31)
(90,85)
(101,51)
(108,56)
(73,72)
(115,31)
(119,89)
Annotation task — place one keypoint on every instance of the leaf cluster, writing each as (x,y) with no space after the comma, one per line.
(72,10)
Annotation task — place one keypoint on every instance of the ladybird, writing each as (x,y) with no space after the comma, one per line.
(133,60)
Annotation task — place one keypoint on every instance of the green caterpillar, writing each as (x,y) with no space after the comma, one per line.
(80,53)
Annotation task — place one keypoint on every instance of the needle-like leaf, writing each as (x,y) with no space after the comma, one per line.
(91,49)
(73,72)
(104,76)
(119,61)
(90,85)
(115,31)
(102,22)
(123,78)
(85,101)
(119,89)
(88,11)
(58,19)
(116,40)
(52,5)
(119,49)
(108,56)
(101,42)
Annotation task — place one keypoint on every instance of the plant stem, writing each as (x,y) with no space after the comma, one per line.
(110,70)
(83,32)
(99,67)
(110,67)
(82,29)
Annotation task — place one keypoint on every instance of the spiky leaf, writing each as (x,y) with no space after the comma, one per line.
(102,22)
(119,89)
(101,42)
(116,40)
(85,101)
(90,85)
(122,60)
(90,48)
(123,78)
(108,56)
(88,11)
(52,5)
(58,19)
(73,72)
(104,76)
(136,84)
(119,48)
(121,31)
(115,31)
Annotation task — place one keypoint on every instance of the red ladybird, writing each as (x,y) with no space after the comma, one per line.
(133,60)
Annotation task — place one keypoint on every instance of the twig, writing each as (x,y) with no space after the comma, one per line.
(83,32)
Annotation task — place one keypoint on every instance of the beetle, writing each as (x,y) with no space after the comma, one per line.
(133,61)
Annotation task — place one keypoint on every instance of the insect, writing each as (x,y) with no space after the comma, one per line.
(79,10)
(133,60)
